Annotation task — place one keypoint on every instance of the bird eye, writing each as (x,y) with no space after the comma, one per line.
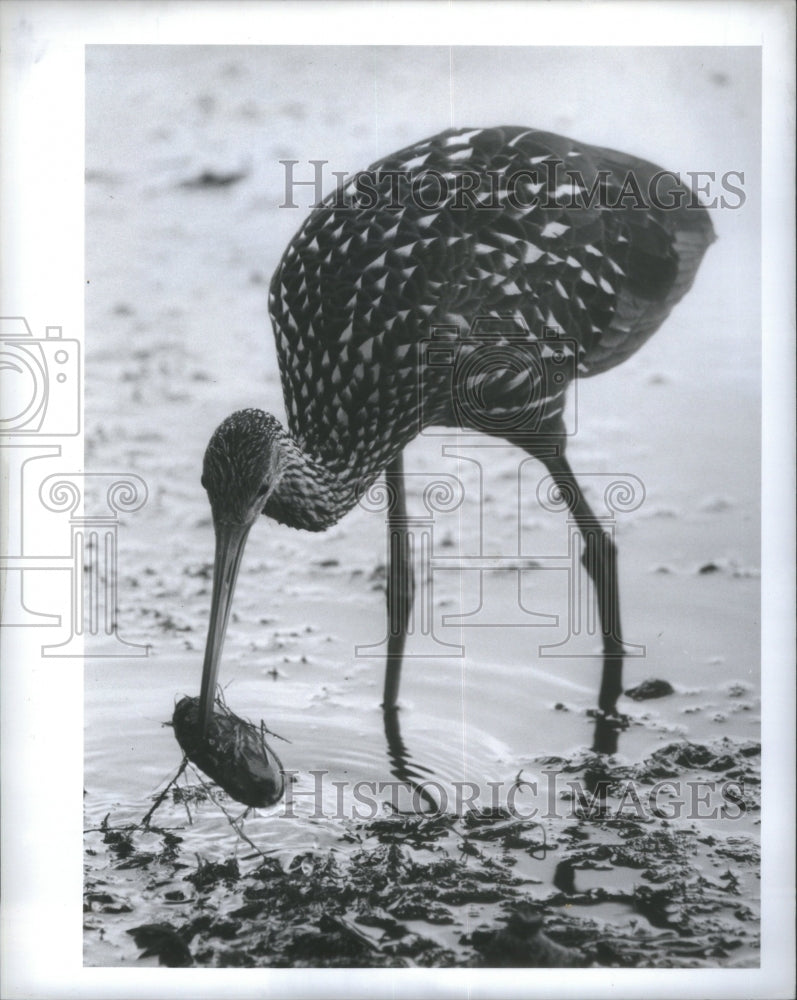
(262,491)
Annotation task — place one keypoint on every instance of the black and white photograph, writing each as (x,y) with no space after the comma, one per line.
(399,545)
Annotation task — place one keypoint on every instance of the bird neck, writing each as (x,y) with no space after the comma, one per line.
(310,495)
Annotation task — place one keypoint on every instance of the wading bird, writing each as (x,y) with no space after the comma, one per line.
(497,243)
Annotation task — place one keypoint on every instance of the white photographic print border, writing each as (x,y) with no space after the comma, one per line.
(43,279)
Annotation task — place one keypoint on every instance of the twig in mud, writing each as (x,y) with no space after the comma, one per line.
(265,730)
(184,803)
(164,793)
(234,823)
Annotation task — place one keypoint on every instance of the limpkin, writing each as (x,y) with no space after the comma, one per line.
(486,238)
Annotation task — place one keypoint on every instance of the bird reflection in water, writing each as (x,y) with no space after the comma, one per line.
(417,777)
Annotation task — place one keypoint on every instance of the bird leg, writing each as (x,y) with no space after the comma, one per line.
(400,595)
(600,561)
(400,581)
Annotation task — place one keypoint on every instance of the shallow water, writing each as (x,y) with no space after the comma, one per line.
(178,337)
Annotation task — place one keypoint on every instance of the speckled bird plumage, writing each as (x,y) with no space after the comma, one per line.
(359,290)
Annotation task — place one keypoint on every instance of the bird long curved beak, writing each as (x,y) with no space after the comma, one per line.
(230,543)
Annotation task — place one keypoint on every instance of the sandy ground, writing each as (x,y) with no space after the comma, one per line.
(178,336)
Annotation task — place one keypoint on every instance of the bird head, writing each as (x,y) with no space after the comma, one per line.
(243,465)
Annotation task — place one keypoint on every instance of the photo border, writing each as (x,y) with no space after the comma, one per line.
(43,238)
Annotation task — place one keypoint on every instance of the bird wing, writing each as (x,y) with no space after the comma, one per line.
(472,225)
